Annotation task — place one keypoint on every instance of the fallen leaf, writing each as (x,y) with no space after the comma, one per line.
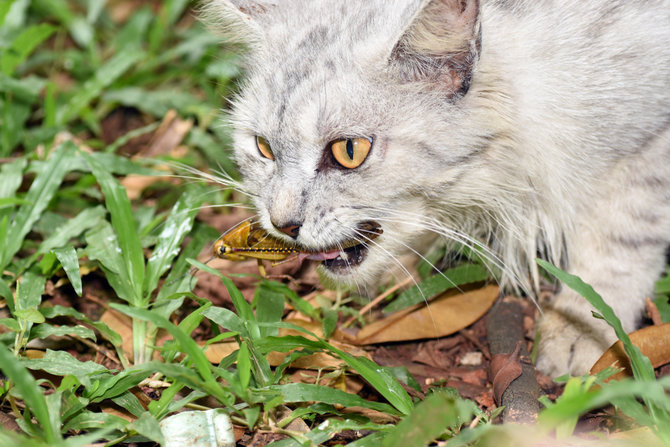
(168,136)
(653,312)
(653,341)
(504,369)
(443,316)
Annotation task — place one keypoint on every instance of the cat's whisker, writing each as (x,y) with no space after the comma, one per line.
(404,269)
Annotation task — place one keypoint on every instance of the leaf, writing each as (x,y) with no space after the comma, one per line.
(653,342)
(244,365)
(103,77)
(442,316)
(227,319)
(103,246)
(10,324)
(86,219)
(59,311)
(67,256)
(243,308)
(23,45)
(87,420)
(377,376)
(436,284)
(641,365)
(269,308)
(11,176)
(25,90)
(148,427)
(28,297)
(178,224)
(125,227)
(505,368)
(62,363)
(429,419)
(47,330)
(186,343)
(307,392)
(39,195)
(30,392)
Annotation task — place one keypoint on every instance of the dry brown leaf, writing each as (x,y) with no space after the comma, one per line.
(653,341)
(123,326)
(504,369)
(135,183)
(443,316)
(168,136)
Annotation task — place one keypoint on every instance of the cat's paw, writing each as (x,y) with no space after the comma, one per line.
(570,347)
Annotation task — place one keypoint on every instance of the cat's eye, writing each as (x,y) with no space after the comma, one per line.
(351,152)
(264,148)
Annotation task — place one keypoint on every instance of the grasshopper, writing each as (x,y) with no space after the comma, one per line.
(248,240)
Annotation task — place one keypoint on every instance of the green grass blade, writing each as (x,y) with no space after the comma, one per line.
(186,343)
(104,77)
(23,45)
(103,246)
(178,224)
(640,364)
(39,195)
(377,376)
(307,392)
(429,419)
(29,291)
(31,393)
(124,224)
(244,365)
(4,9)
(243,308)
(88,218)
(11,175)
(67,256)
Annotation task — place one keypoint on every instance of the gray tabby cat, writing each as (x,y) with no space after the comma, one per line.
(522,126)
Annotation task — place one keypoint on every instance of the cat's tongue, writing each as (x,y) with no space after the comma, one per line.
(323,256)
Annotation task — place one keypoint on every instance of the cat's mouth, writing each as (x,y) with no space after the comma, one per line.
(350,253)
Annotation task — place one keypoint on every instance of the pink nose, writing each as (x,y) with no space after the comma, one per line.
(291,230)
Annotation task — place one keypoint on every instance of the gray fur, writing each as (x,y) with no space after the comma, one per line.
(532,126)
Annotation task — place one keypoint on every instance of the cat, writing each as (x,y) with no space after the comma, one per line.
(525,128)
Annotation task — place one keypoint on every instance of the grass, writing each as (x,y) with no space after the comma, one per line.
(67,223)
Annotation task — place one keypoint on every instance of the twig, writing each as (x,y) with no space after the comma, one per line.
(380,298)
(505,331)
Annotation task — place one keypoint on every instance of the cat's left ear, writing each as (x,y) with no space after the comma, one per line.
(238,20)
(440,45)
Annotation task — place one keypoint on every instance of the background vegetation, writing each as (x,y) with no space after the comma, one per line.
(99,101)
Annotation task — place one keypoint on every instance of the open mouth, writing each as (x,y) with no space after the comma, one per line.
(350,253)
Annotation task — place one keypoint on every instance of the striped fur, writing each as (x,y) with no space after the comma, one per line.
(530,126)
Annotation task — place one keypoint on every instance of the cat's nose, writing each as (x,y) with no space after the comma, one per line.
(292,229)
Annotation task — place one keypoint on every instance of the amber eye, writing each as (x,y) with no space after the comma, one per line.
(264,148)
(351,152)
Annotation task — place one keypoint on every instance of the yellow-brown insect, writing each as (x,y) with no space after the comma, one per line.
(248,240)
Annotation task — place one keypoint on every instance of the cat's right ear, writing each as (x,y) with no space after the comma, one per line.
(440,45)
(238,20)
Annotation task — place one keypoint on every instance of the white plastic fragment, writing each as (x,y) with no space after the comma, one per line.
(211,428)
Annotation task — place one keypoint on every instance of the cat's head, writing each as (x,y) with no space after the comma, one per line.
(352,115)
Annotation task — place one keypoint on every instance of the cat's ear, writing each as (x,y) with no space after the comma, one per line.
(238,20)
(440,45)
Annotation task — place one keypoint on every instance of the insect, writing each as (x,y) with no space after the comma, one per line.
(248,240)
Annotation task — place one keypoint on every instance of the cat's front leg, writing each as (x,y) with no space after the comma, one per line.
(571,338)
(617,246)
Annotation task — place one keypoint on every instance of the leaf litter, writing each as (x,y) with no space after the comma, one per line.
(439,346)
